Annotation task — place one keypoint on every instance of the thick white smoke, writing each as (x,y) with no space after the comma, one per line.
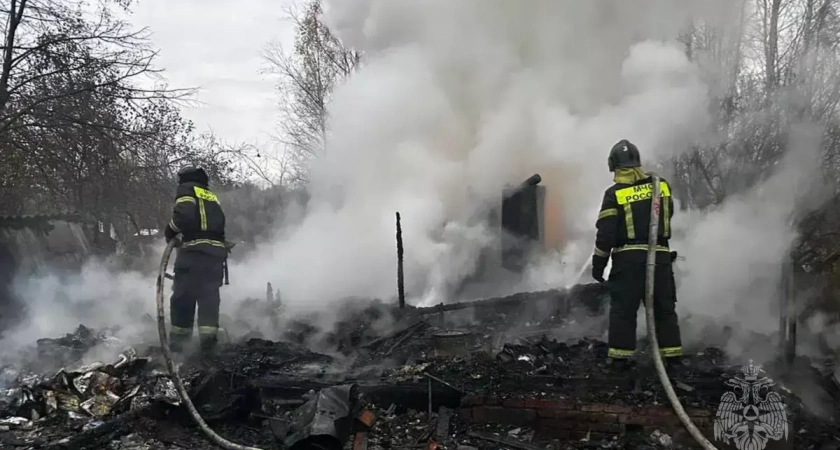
(458,99)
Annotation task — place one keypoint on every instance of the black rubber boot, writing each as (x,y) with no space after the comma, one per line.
(676,365)
(178,342)
(209,343)
(617,364)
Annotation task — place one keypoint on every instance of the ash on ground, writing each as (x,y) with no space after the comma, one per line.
(268,394)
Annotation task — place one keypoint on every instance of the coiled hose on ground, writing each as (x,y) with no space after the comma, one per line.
(651,324)
(170,365)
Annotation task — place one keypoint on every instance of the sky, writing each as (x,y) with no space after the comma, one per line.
(217,47)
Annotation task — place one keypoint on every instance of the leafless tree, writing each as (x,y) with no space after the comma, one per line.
(50,39)
(77,131)
(307,76)
(784,71)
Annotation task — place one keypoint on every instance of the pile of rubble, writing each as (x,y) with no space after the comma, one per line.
(425,385)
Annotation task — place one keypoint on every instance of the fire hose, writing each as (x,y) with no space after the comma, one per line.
(651,324)
(649,315)
(167,356)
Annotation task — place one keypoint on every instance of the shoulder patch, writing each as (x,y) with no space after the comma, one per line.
(205,194)
(641,192)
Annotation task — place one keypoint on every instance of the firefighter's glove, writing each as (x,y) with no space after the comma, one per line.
(169,233)
(599,263)
(673,256)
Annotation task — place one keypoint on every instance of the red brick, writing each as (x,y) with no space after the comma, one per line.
(606,427)
(662,421)
(603,417)
(496,414)
(632,419)
(479,414)
(659,411)
(618,409)
(559,424)
(513,403)
(492,401)
(555,433)
(465,414)
(572,416)
(593,407)
(472,401)
(694,412)
(545,413)
(547,404)
(510,416)
(702,421)
(522,416)
(580,426)
(579,435)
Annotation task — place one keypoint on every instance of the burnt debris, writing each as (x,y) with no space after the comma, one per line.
(426,382)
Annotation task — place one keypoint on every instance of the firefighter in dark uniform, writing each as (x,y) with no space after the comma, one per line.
(623,228)
(201,260)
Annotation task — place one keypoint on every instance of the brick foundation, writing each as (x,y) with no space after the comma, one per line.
(565,419)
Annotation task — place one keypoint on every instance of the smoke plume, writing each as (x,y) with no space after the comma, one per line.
(458,99)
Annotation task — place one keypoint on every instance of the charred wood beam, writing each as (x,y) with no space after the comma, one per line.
(406,394)
(100,436)
(533,180)
(400,274)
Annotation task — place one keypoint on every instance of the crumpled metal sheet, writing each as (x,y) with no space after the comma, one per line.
(165,391)
(83,391)
(15,423)
(25,404)
(100,404)
(67,402)
(330,413)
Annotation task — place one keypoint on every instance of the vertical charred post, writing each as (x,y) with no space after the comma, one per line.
(400,276)
(788,310)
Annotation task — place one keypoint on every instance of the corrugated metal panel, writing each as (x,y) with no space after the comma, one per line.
(40,239)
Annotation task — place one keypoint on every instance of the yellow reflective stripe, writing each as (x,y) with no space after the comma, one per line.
(670,352)
(609,212)
(181,330)
(205,194)
(642,247)
(666,229)
(174,228)
(185,199)
(203,213)
(620,353)
(628,221)
(601,253)
(208,330)
(641,192)
(204,241)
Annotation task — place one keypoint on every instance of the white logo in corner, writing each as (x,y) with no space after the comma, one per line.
(751,414)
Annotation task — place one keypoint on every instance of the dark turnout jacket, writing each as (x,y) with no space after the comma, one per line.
(198,216)
(623,223)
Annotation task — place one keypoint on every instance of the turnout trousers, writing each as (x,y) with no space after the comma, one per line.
(627,291)
(198,278)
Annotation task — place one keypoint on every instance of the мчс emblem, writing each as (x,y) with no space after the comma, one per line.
(751,414)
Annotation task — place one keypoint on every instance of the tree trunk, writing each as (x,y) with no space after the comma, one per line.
(771,46)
